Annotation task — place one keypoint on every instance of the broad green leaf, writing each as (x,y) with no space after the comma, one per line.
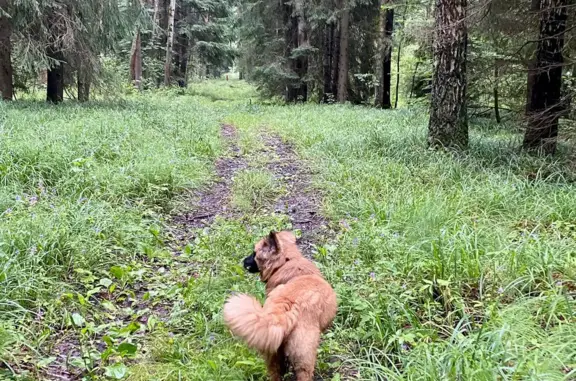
(117,371)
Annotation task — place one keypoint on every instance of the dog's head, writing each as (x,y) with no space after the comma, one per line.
(270,252)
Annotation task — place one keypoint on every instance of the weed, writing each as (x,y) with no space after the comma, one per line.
(254,189)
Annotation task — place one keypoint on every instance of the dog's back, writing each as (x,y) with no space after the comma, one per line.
(300,304)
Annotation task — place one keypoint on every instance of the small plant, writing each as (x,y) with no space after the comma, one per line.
(254,189)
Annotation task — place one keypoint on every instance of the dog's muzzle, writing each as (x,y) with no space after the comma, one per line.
(250,264)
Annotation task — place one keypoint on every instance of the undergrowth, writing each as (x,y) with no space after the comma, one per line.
(447,266)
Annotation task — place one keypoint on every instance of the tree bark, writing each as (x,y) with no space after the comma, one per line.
(496,93)
(301,63)
(545,104)
(290,42)
(385,56)
(55,77)
(181,49)
(327,53)
(448,125)
(397,93)
(343,63)
(83,83)
(414,79)
(6,73)
(335,58)
(169,44)
(136,61)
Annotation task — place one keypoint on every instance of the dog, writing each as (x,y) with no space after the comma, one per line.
(300,305)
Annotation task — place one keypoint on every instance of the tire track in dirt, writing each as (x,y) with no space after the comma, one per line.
(302,203)
(204,205)
(199,209)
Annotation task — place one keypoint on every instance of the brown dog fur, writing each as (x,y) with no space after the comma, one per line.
(299,305)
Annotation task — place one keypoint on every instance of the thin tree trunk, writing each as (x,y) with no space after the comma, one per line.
(335,58)
(6,73)
(414,79)
(302,42)
(327,96)
(83,83)
(55,77)
(384,67)
(448,115)
(496,94)
(156,19)
(397,75)
(399,55)
(169,44)
(290,41)
(343,62)
(544,107)
(136,61)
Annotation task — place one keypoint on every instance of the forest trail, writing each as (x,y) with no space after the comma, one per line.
(300,202)
(146,302)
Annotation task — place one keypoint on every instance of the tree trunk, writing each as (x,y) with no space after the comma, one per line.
(181,48)
(136,61)
(6,81)
(343,62)
(397,93)
(290,42)
(335,58)
(301,63)
(414,79)
(448,115)
(55,77)
(544,107)
(496,94)
(385,56)
(327,53)
(169,44)
(83,83)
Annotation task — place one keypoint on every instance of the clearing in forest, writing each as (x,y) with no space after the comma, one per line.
(123,226)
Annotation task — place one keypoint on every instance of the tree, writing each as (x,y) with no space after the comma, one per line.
(136,60)
(343,61)
(448,125)
(57,28)
(545,83)
(169,43)
(384,66)
(6,81)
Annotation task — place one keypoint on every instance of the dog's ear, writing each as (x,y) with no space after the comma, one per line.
(273,241)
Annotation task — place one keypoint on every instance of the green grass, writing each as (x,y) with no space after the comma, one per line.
(446,266)
(253,189)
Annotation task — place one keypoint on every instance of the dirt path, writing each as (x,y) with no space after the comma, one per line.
(300,203)
(198,210)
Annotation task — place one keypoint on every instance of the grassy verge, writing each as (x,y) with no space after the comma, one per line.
(82,190)
(446,266)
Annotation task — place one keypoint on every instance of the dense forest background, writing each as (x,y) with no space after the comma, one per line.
(503,59)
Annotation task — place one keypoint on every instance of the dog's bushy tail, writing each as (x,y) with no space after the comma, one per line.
(263,328)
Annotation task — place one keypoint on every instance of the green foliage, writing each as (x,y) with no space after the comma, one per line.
(445,265)
(80,193)
(254,189)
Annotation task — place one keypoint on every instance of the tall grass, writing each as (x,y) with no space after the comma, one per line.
(81,185)
(447,266)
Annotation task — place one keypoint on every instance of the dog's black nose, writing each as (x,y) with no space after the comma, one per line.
(250,264)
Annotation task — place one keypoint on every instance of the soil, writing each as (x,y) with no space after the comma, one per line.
(198,209)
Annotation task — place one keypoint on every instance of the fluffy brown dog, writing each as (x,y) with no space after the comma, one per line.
(299,305)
